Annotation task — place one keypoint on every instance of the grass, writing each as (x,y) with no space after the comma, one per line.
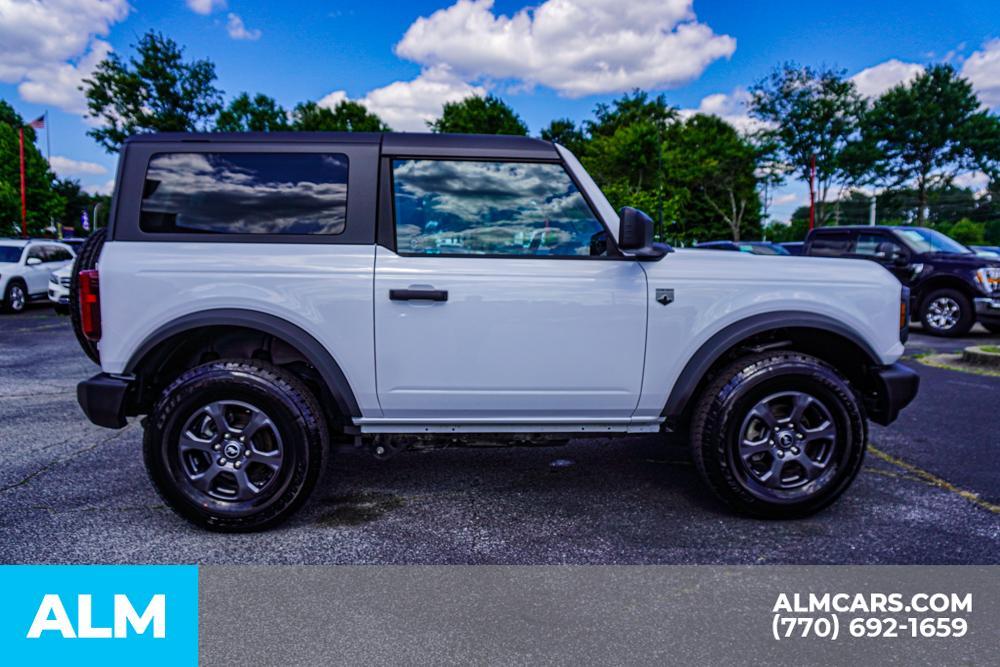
(992,349)
(953,362)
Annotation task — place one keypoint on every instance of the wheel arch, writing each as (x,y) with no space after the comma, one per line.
(819,335)
(199,332)
(943,282)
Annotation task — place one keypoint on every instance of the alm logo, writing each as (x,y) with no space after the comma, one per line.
(52,617)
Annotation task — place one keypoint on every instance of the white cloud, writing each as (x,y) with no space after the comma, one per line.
(59,84)
(65,166)
(237,30)
(576,47)
(105,188)
(731,107)
(977,181)
(333,99)
(408,105)
(205,7)
(874,81)
(982,68)
(48,46)
(785,199)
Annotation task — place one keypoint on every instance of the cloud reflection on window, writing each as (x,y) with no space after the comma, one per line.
(507,208)
(245,193)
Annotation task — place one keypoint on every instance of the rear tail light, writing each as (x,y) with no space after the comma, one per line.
(904,314)
(90,304)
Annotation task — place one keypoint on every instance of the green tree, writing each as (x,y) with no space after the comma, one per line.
(711,168)
(565,132)
(43,204)
(991,232)
(813,113)
(479,115)
(346,116)
(928,131)
(625,155)
(155,90)
(260,114)
(968,232)
(76,201)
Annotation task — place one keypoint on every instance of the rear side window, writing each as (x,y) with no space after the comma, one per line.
(54,253)
(830,245)
(245,193)
(876,245)
(466,207)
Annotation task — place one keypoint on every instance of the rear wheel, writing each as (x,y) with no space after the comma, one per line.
(236,445)
(15,298)
(947,312)
(778,435)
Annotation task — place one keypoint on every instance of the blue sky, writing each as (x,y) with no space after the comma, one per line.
(543,62)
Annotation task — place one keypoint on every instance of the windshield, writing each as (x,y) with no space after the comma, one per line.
(9,253)
(927,240)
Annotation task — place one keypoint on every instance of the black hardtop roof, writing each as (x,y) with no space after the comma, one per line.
(393,143)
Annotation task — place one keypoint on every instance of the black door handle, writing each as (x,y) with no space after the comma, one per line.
(418,294)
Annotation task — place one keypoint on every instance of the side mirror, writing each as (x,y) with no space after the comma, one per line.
(635,236)
(33,261)
(890,252)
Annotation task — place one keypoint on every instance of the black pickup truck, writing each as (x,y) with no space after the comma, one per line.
(950,286)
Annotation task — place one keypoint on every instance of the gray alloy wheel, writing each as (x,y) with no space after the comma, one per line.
(778,434)
(236,445)
(943,313)
(16,298)
(230,451)
(787,441)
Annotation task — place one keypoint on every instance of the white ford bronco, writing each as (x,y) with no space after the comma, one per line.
(259,296)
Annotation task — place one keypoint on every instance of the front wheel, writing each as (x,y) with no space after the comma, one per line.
(236,445)
(947,312)
(778,435)
(16,298)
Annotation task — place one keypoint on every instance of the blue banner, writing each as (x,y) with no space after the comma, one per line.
(99,614)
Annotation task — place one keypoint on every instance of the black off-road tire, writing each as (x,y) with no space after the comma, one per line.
(283,398)
(85,260)
(964,318)
(719,419)
(8,298)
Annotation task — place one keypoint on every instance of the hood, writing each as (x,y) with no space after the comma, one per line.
(7,266)
(971,260)
(761,269)
(65,271)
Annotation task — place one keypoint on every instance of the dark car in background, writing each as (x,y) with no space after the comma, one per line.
(752,247)
(951,287)
(990,251)
(793,247)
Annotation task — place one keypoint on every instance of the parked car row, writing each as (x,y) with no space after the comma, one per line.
(952,286)
(26,267)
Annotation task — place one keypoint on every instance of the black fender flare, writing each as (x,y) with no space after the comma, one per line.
(724,340)
(310,348)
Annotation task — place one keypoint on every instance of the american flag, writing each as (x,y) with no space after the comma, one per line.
(38,123)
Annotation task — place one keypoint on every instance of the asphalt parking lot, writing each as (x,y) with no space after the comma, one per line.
(71,492)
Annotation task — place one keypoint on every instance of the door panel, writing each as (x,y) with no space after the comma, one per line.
(513,338)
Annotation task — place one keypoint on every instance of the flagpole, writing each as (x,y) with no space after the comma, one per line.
(24,197)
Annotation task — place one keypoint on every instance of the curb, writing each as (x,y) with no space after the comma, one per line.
(976,355)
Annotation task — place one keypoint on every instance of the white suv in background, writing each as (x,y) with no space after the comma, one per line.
(25,268)
(59,282)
